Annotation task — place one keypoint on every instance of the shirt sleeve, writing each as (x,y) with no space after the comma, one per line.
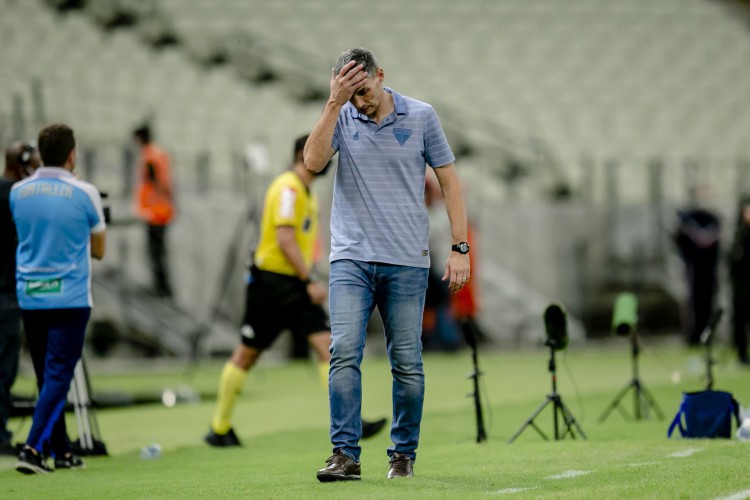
(436,148)
(95,209)
(286,207)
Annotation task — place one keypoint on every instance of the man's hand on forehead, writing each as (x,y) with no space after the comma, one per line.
(350,78)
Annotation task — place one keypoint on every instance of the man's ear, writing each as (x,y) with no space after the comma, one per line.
(71,161)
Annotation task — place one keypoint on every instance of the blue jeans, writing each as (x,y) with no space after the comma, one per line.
(399,292)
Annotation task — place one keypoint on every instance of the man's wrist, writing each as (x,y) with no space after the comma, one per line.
(461,247)
(335,104)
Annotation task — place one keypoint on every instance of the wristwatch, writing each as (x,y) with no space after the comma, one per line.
(462,248)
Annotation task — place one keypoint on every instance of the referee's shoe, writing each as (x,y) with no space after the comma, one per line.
(222,440)
(369,429)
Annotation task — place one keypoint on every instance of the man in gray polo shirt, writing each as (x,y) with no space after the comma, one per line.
(379,247)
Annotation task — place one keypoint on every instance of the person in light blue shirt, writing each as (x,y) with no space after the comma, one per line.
(379,247)
(60,224)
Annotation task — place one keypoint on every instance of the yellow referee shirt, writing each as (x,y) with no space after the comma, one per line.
(288,203)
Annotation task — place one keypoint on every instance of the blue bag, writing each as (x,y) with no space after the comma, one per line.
(706,414)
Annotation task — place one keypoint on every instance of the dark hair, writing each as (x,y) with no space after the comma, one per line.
(361,56)
(55,144)
(21,159)
(299,146)
(143,133)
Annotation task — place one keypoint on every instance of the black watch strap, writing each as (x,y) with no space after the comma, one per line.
(461,247)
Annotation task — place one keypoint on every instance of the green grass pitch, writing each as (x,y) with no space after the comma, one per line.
(282,419)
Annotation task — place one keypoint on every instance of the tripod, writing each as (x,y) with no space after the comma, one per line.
(472,341)
(642,398)
(89,442)
(706,338)
(559,410)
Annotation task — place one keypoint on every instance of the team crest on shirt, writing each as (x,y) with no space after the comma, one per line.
(402,135)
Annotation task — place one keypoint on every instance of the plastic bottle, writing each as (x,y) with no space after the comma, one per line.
(743,431)
(151,451)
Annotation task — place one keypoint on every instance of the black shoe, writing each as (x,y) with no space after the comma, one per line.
(369,429)
(401,466)
(222,440)
(69,461)
(31,461)
(340,468)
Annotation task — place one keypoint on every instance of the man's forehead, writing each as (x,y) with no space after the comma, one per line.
(369,82)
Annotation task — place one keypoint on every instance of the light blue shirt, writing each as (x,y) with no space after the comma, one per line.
(55,214)
(378,212)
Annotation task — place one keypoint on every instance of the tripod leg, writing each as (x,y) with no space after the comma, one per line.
(75,400)
(83,404)
(530,421)
(614,402)
(94,424)
(649,399)
(570,420)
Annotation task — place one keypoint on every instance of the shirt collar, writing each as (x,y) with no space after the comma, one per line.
(399,105)
(53,172)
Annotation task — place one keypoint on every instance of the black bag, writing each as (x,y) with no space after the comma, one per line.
(706,414)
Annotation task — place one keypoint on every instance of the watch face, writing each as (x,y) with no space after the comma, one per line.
(462,247)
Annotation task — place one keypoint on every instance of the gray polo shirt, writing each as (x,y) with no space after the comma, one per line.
(378,212)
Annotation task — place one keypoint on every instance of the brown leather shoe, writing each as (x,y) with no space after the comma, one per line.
(401,466)
(340,468)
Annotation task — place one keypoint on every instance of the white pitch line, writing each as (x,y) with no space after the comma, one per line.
(740,495)
(642,464)
(685,453)
(570,473)
(510,491)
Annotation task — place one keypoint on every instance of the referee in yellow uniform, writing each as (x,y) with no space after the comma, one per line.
(281,292)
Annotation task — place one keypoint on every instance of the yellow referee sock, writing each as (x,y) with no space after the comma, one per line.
(323,372)
(230,385)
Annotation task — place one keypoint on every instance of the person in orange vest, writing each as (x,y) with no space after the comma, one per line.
(154,203)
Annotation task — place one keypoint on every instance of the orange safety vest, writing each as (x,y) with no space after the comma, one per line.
(153,200)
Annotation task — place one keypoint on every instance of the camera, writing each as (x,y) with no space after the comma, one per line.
(105,208)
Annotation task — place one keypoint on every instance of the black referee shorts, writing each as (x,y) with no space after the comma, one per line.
(275,302)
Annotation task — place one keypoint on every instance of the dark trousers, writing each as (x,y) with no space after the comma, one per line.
(702,278)
(740,319)
(55,338)
(157,250)
(10,344)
